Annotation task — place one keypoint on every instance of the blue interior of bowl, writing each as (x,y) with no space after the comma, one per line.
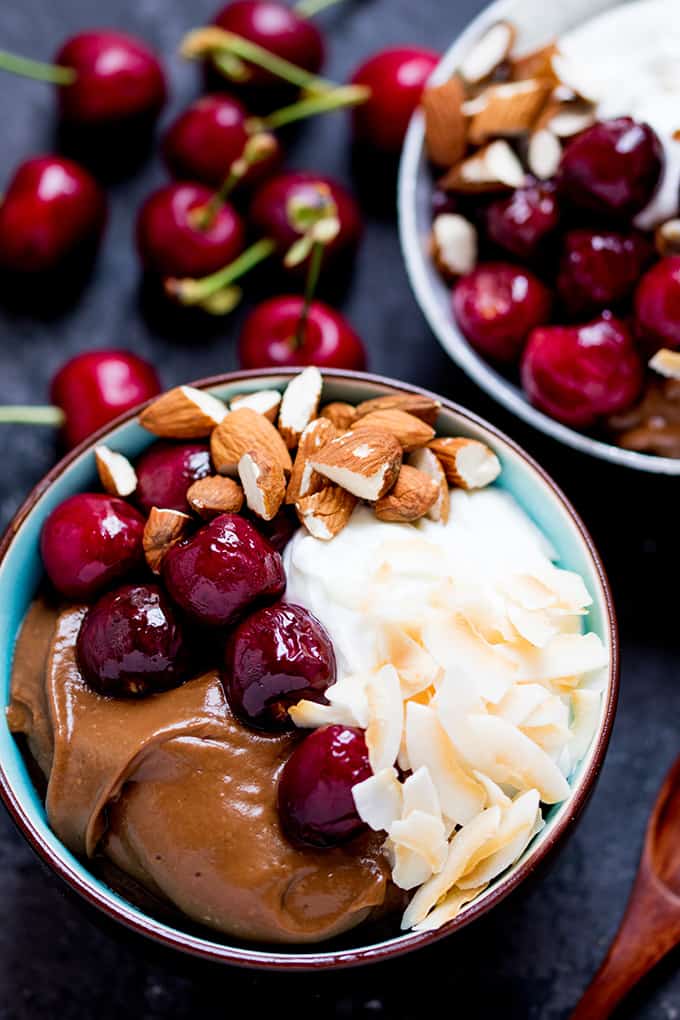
(21,572)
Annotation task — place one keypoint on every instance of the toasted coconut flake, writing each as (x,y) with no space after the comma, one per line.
(350,694)
(116,473)
(514,833)
(544,153)
(509,110)
(426,460)
(264,483)
(425,835)
(586,707)
(341,415)
(535,627)
(445,122)
(449,908)
(565,655)
(453,245)
(265,402)
(495,796)
(386,718)
(183,413)
(520,701)
(666,363)
(488,53)
(420,794)
(417,669)
(378,799)
(311,715)
(209,497)
(409,869)
(494,167)
(299,404)
(365,463)
(466,462)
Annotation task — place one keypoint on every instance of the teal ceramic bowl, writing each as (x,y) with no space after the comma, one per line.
(21,573)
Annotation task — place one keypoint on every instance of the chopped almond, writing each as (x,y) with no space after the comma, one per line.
(445,122)
(163,529)
(326,513)
(183,413)
(340,414)
(409,431)
(365,462)
(266,402)
(116,473)
(509,109)
(536,64)
(411,497)
(467,463)
(426,460)
(488,53)
(243,430)
(264,483)
(494,167)
(417,404)
(453,245)
(209,497)
(667,238)
(666,363)
(299,405)
(544,153)
(303,479)
(567,118)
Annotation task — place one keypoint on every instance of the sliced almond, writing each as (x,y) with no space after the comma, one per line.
(509,110)
(488,53)
(299,405)
(366,462)
(303,479)
(467,463)
(536,64)
(544,153)
(266,402)
(419,405)
(666,363)
(426,460)
(209,497)
(453,245)
(667,238)
(264,483)
(340,414)
(565,119)
(163,529)
(243,430)
(116,473)
(183,413)
(326,513)
(494,167)
(445,122)
(410,498)
(409,431)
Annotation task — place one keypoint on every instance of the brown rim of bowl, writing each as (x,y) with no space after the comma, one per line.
(282,961)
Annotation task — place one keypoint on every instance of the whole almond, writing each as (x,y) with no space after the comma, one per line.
(264,483)
(409,431)
(365,462)
(420,406)
(426,460)
(243,430)
(215,495)
(340,414)
(467,463)
(445,122)
(183,413)
(116,473)
(163,529)
(412,495)
(326,513)
(303,479)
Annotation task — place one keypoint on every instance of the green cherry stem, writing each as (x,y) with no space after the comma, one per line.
(315,260)
(195,292)
(312,106)
(36,69)
(26,414)
(308,8)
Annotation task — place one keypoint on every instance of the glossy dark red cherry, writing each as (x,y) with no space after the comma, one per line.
(600,268)
(657,304)
(223,569)
(172,242)
(578,374)
(396,78)
(277,656)
(52,210)
(269,337)
(89,541)
(497,305)
(316,806)
(166,470)
(117,78)
(203,142)
(131,644)
(612,167)
(277,28)
(280,529)
(521,222)
(96,386)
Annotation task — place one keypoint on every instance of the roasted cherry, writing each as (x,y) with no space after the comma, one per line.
(270,336)
(497,305)
(657,304)
(222,570)
(600,268)
(522,221)
(52,210)
(396,78)
(90,540)
(276,657)
(316,806)
(131,643)
(612,167)
(577,374)
(166,470)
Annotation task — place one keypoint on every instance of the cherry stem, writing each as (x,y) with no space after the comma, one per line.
(26,414)
(36,69)
(194,292)
(323,102)
(308,8)
(313,272)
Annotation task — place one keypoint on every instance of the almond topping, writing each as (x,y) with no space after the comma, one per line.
(467,463)
(116,473)
(299,405)
(488,53)
(408,430)
(209,497)
(667,238)
(183,413)
(243,430)
(536,64)
(544,153)
(426,461)
(264,483)
(445,122)
(453,245)
(419,405)
(326,513)
(411,497)
(492,168)
(303,480)
(163,529)
(509,109)
(342,415)
(666,363)
(265,402)
(366,462)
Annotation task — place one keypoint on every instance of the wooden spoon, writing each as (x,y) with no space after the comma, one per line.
(651,924)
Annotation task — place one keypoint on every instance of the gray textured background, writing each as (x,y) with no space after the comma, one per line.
(534,955)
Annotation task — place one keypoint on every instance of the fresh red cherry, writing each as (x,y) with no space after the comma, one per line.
(600,268)
(657,304)
(577,374)
(396,78)
(94,387)
(131,644)
(90,540)
(52,210)
(277,28)
(166,470)
(223,569)
(612,167)
(316,806)
(203,142)
(497,305)
(280,529)
(173,242)
(522,221)
(269,337)
(276,657)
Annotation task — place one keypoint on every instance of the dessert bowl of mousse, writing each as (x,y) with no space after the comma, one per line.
(300,670)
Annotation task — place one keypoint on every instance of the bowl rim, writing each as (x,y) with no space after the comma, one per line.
(443,326)
(272,960)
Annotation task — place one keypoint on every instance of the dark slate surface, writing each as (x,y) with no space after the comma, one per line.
(535,954)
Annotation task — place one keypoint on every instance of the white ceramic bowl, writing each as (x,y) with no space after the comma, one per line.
(537,22)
